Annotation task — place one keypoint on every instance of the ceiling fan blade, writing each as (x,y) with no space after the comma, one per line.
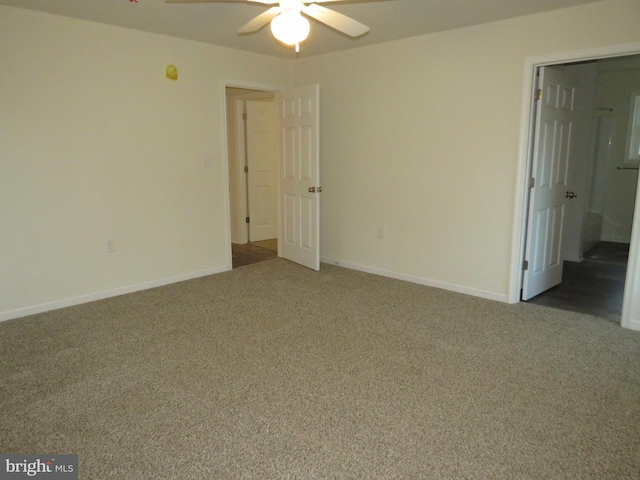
(264,2)
(336,20)
(260,21)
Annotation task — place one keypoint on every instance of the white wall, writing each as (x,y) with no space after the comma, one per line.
(424,136)
(95,143)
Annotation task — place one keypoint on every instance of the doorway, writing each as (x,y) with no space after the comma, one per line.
(297,171)
(598,228)
(253,156)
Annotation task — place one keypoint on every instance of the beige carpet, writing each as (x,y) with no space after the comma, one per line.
(273,371)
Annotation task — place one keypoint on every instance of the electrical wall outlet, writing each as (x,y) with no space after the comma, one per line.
(111,245)
(381,232)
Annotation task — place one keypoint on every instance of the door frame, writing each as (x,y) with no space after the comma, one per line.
(630,306)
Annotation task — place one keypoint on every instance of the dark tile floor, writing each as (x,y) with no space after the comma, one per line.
(247,254)
(594,286)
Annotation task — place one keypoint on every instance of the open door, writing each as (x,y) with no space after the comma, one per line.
(555,117)
(299,202)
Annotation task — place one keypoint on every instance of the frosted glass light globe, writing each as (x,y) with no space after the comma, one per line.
(290,27)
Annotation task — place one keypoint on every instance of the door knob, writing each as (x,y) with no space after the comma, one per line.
(570,195)
(312,189)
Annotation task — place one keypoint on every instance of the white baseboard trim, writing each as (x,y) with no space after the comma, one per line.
(504,298)
(92,297)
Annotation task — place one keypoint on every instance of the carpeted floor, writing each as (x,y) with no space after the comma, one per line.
(272,371)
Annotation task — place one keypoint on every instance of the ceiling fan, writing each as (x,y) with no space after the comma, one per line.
(288,25)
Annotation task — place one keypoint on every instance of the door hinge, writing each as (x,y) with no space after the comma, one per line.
(244,116)
(525,265)
(538,95)
(246,169)
(532,182)
(247,220)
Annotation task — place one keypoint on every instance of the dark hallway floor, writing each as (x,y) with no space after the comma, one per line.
(594,286)
(248,253)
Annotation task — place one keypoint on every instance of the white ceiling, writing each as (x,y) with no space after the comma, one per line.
(217,23)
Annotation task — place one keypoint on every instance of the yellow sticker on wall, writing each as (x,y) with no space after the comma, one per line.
(172,72)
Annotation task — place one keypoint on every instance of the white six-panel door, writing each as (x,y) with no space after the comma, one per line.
(299,202)
(262,165)
(555,118)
